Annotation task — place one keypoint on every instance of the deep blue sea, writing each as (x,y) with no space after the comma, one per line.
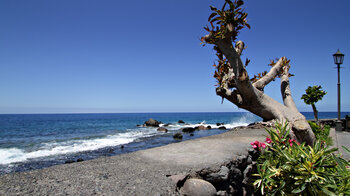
(32,141)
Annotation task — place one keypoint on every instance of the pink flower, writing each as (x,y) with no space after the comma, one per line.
(291,142)
(255,144)
(258,144)
(268,140)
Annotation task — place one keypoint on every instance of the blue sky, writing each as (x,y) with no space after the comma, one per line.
(145,56)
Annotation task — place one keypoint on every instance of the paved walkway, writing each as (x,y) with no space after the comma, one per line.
(341,138)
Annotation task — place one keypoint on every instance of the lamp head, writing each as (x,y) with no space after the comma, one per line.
(338,57)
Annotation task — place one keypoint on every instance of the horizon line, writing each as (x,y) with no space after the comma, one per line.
(143,112)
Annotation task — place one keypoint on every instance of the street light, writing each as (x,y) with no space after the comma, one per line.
(338,60)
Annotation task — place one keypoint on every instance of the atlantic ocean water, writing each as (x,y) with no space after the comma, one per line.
(33,141)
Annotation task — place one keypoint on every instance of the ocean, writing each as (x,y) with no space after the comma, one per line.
(33,141)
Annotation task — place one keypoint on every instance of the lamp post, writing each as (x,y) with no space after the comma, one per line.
(338,60)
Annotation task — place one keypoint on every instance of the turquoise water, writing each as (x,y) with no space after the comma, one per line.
(34,141)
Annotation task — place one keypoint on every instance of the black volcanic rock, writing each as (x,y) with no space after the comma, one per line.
(152,123)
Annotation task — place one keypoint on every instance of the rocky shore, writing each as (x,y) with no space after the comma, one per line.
(217,165)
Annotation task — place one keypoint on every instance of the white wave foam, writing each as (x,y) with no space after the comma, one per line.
(12,155)
(244,120)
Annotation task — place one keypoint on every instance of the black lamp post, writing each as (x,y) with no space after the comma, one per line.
(338,60)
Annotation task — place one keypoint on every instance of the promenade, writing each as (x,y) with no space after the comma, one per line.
(144,172)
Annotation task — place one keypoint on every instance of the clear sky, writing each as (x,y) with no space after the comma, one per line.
(145,56)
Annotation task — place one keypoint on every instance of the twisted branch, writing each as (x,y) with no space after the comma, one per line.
(285,90)
(270,76)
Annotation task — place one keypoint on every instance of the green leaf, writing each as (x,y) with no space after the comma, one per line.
(239,3)
(300,189)
(211,16)
(325,190)
(346,149)
(232,7)
(340,162)
(213,8)
(223,7)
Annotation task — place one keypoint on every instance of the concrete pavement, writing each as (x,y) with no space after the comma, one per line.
(341,138)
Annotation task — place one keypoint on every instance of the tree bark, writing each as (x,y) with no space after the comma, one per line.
(315,112)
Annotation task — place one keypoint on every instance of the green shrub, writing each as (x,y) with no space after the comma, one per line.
(321,132)
(286,167)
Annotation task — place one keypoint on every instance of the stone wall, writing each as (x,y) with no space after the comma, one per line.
(331,122)
(231,178)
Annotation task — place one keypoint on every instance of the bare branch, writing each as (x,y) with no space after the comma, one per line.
(229,79)
(239,47)
(262,82)
(285,90)
(231,96)
(208,38)
(231,55)
(241,76)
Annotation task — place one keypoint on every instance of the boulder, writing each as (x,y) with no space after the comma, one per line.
(152,123)
(218,124)
(236,174)
(209,127)
(162,129)
(80,160)
(222,127)
(198,187)
(69,161)
(188,130)
(178,179)
(201,127)
(247,174)
(177,136)
(221,193)
(180,121)
(220,176)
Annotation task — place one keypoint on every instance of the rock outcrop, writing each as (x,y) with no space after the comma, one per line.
(177,136)
(188,130)
(198,187)
(201,127)
(233,178)
(162,129)
(152,123)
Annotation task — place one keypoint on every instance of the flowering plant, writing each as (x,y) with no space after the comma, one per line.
(257,145)
(286,167)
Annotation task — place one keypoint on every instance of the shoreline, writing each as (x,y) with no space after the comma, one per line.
(156,171)
(143,172)
(134,146)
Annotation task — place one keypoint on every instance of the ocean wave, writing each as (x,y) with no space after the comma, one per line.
(242,121)
(13,155)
